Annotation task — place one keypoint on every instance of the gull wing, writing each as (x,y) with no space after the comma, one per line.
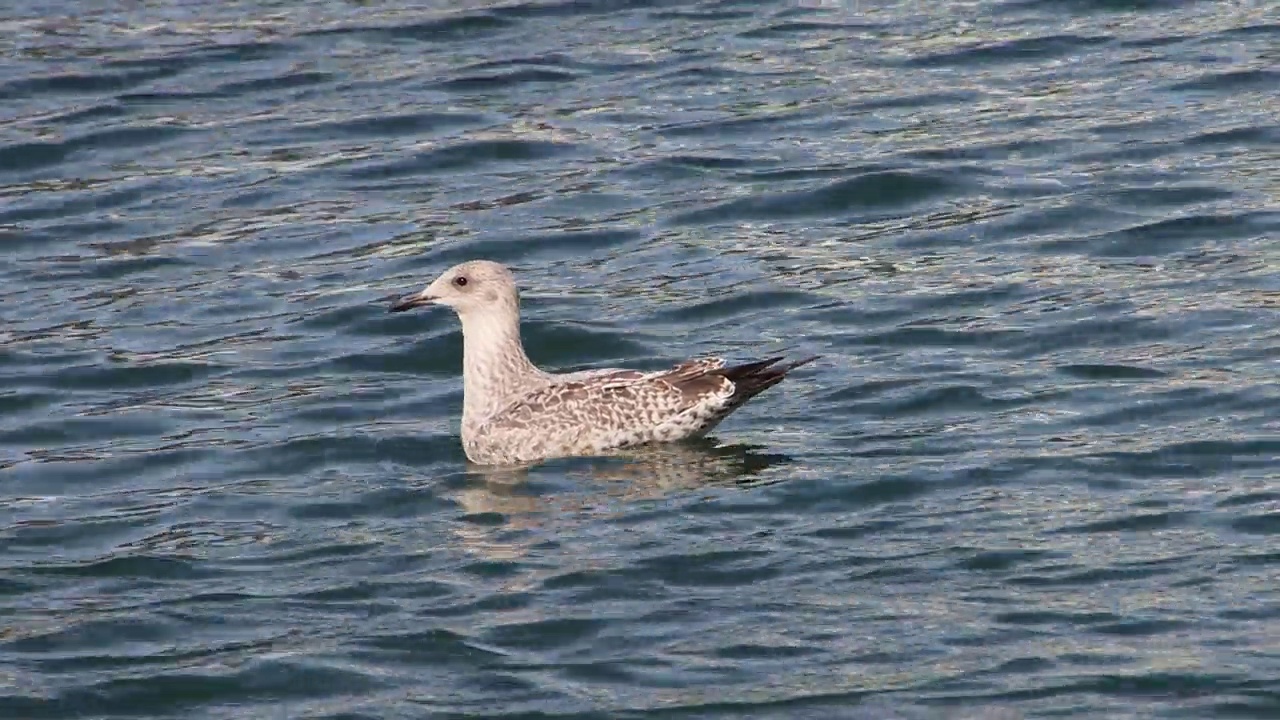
(610,409)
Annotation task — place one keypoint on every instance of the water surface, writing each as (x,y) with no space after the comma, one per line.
(1036,474)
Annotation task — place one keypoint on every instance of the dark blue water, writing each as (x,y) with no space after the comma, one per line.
(1035,475)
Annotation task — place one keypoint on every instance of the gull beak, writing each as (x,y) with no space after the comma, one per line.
(409,302)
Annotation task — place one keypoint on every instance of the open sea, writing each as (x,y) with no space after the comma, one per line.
(1036,473)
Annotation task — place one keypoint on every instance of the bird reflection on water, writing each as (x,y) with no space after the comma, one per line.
(570,491)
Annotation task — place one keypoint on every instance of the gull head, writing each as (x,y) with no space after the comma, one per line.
(478,286)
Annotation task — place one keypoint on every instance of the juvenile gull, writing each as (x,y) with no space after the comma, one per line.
(514,413)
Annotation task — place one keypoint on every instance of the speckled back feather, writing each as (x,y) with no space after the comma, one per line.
(586,413)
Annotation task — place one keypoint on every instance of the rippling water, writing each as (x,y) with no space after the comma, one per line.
(1035,475)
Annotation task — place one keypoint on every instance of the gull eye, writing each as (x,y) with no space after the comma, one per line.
(460,281)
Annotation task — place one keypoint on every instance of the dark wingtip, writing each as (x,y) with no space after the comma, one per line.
(793,365)
(767,368)
(751,379)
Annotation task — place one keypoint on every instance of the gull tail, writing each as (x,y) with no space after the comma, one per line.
(751,379)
